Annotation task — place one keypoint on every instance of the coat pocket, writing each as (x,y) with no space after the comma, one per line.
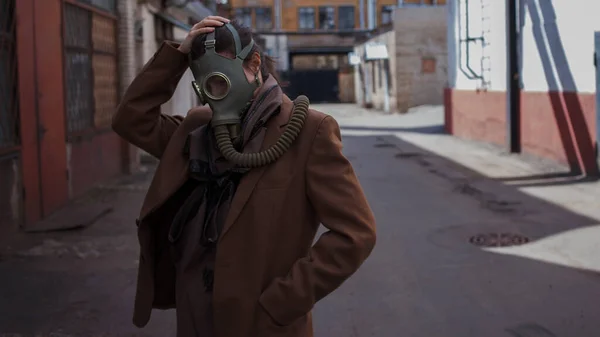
(267,327)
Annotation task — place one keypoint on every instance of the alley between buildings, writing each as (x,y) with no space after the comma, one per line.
(439,201)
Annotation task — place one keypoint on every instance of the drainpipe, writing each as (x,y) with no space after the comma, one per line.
(127,69)
(513,90)
(371,14)
(361,9)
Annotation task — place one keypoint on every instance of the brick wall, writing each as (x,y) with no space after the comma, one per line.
(421,56)
(184,97)
(417,64)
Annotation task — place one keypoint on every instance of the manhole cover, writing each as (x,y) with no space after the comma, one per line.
(498,240)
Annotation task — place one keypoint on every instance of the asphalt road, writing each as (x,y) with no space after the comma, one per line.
(425,277)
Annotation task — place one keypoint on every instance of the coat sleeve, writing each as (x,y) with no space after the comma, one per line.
(138,118)
(335,193)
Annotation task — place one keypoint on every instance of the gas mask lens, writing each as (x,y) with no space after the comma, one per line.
(217,86)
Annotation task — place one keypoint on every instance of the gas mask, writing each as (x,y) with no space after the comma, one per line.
(221,82)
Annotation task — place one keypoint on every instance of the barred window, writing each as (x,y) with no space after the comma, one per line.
(90,67)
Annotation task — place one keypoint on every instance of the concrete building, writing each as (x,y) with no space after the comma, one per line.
(404,65)
(535,92)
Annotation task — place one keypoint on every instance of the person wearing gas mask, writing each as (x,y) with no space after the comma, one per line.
(243,182)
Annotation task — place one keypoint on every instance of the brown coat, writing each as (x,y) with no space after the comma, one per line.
(268,275)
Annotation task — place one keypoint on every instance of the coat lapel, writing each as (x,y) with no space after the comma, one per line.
(172,171)
(248,183)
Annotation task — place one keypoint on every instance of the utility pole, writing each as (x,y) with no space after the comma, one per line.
(371,13)
(277,7)
(513,80)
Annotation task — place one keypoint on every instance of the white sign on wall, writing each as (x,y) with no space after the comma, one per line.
(353,59)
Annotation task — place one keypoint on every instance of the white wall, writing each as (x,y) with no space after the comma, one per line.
(562,57)
(184,97)
(557,38)
(149,45)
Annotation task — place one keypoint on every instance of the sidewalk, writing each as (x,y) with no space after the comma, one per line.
(79,282)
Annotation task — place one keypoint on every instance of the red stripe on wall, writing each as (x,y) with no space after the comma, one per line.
(556,125)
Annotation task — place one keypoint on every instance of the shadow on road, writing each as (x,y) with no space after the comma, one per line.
(444,264)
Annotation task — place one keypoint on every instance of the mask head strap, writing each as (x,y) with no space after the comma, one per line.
(239,52)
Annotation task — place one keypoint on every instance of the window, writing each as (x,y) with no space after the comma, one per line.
(306,18)
(346,17)
(244,16)
(264,18)
(387,15)
(327,17)
(91,71)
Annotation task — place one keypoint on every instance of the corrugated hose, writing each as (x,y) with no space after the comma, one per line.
(268,156)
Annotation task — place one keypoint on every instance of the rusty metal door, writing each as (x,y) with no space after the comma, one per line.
(10,151)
